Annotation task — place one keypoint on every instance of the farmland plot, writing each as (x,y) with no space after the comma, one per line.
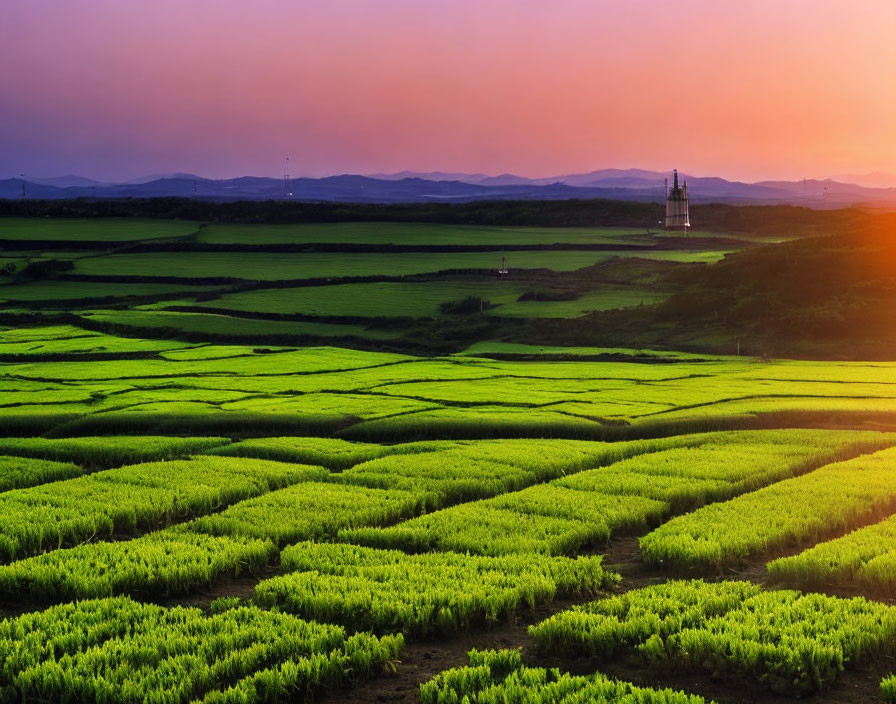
(794,642)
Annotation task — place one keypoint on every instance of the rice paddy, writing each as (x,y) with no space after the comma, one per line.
(233,491)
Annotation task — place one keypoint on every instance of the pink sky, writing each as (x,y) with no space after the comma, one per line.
(748,90)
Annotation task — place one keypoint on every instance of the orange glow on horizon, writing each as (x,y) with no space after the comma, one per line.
(223,88)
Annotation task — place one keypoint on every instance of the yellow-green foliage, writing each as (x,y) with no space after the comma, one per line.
(479,469)
(790,640)
(310,510)
(888,689)
(865,558)
(133,498)
(484,528)
(388,590)
(500,676)
(172,561)
(119,651)
(586,507)
(19,472)
(805,508)
(108,451)
(332,453)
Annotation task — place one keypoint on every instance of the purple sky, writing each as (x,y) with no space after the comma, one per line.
(114,89)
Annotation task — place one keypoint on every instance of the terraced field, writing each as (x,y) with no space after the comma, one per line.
(351,282)
(186,519)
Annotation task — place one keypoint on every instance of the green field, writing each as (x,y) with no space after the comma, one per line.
(415,233)
(213,324)
(355,493)
(422,300)
(56,290)
(93,230)
(284,265)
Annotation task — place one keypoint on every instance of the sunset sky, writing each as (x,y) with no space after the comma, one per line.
(114,89)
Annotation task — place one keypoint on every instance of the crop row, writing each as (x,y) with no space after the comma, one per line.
(789,640)
(480,469)
(687,477)
(547,519)
(864,559)
(316,509)
(585,508)
(242,539)
(310,511)
(176,560)
(108,451)
(541,519)
(332,453)
(117,650)
(22,472)
(389,590)
(135,498)
(494,677)
(829,500)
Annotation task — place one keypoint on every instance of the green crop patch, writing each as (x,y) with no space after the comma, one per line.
(310,510)
(698,469)
(52,292)
(475,470)
(544,519)
(308,360)
(388,590)
(196,419)
(585,508)
(224,325)
(86,345)
(414,234)
(47,333)
(477,422)
(791,641)
(131,499)
(109,451)
(864,559)
(500,676)
(21,472)
(888,689)
(332,453)
(605,298)
(832,499)
(171,561)
(366,300)
(120,651)
(93,229)
(486,530)
(274,266)
(359,406)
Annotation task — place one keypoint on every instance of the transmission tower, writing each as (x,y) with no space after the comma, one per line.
(286,187)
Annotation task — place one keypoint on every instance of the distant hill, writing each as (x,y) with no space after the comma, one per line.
(875,179)
(440,187)
(64,181)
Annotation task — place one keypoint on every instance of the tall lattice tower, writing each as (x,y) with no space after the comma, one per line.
(677,206)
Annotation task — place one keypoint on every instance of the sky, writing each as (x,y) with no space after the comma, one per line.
(752,90)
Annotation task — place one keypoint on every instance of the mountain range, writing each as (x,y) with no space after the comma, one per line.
(412,187)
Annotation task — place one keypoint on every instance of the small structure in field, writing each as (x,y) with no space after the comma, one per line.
(503,270)
(677,206)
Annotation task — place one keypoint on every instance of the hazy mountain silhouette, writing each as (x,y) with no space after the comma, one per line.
(409,187)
